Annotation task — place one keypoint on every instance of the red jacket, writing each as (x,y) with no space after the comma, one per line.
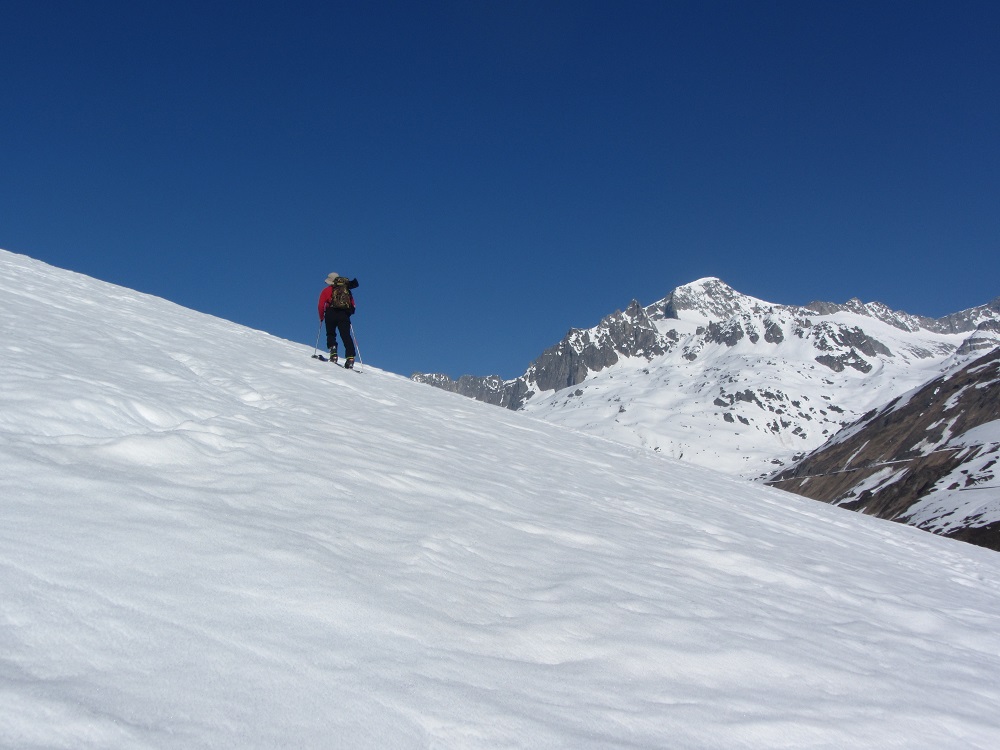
(324,297)
(324,300)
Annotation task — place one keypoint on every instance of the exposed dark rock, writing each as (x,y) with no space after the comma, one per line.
(583,351)
(728,333)
(967,320)
(773,333)
(986,336)
(899,453)
(850,359)
(490,389)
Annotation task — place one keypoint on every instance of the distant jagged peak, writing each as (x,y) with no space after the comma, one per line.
(971,319)
(960,322)
(985,337)
(633,316)
(710,298)
(713,300)
(877,310)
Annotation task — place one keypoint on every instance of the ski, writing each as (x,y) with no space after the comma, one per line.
(321,358)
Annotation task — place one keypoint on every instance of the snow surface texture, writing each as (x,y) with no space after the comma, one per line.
(741,386)
(209,539)
(969,491)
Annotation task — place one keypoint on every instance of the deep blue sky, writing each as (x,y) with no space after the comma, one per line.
(495,173)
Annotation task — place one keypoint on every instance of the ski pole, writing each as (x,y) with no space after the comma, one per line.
(357,349)
(316,347)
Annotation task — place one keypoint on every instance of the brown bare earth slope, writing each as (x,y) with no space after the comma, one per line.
(907,462)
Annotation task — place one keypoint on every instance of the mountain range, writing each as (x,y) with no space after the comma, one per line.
(724,380)
(853,404)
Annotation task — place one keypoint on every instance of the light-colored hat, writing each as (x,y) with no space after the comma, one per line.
(331,278)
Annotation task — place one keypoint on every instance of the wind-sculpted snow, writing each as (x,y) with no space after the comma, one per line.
(209,539)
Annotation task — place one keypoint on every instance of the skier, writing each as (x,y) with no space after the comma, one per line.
(336,306)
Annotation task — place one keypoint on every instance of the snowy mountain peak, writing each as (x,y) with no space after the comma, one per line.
(709,298)
(731,381)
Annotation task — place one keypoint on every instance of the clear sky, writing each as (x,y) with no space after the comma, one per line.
(495,173)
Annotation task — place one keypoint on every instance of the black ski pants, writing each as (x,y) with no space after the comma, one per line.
(339,320)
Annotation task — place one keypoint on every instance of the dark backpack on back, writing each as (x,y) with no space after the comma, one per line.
(340,298)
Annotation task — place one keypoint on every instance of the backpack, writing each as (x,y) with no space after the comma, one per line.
(340,297)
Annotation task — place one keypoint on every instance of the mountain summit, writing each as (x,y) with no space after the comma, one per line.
(732,382)
(710,298)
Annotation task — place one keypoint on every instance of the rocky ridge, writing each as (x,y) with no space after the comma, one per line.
(715,376)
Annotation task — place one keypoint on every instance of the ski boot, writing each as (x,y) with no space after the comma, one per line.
(349,363)
(333,356)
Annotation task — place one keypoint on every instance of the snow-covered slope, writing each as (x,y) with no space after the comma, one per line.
(209,539)
(929,457)
(728,381)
